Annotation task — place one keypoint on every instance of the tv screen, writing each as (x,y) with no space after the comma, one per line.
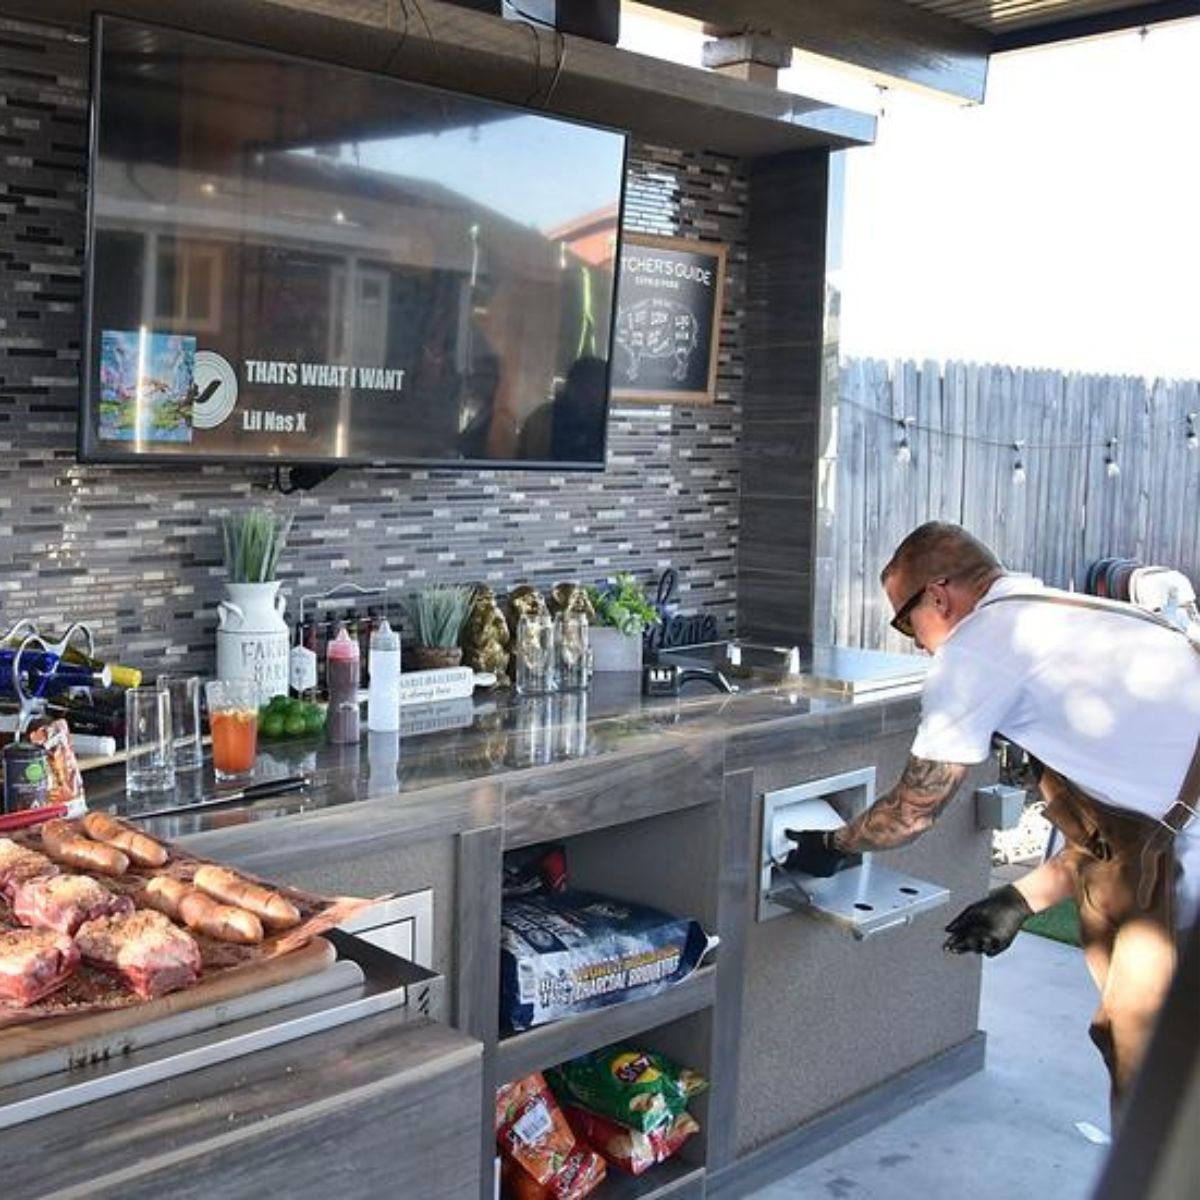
(300,263)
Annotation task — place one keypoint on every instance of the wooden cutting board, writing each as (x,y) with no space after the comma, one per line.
(53,1033)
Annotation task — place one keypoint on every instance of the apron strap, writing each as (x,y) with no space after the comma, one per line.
(1096,603)
(1184,808)
(1172,822)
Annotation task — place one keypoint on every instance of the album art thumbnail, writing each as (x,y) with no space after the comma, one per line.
(146,386)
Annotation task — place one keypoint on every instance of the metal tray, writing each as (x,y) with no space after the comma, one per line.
(364,980)
(864,900)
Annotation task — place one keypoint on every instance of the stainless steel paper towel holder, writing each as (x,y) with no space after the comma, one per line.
(863,900)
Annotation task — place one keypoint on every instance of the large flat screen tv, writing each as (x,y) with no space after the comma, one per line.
(294,262)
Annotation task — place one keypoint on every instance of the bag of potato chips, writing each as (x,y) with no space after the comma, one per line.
(541,1157)
(627,1148)
(637,1088)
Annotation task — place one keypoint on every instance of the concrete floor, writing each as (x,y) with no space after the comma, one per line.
(1008,1132)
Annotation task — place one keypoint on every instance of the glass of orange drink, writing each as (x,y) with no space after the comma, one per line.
(233,722)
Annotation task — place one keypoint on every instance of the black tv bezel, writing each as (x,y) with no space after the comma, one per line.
(87,450)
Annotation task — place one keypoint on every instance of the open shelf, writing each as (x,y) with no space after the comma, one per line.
(519,1054)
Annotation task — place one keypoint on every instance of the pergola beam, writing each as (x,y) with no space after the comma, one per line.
(884,36)
(1113,21)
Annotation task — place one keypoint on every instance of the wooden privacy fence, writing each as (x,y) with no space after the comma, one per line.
(1052,470)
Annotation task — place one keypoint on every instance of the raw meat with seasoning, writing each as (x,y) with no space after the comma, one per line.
(64,902)
(144,950)
(18,863)
(33,962)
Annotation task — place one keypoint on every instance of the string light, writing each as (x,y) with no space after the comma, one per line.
(1019,446)
(1018,462)
(972,438)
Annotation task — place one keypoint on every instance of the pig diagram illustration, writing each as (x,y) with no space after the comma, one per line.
(656,329)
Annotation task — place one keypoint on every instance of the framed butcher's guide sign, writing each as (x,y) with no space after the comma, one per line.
(668,320)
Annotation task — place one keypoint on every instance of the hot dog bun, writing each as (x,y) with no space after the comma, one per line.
(165,894)
(276,911)
(64,845)
(142,850)
(201,913)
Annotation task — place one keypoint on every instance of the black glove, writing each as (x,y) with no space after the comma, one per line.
(815,853)
(989,925)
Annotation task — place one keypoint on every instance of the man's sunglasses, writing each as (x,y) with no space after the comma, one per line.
(902,621)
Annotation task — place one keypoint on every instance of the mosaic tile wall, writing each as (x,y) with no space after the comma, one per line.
(133,551)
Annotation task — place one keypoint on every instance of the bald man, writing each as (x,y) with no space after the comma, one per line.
(1106,699)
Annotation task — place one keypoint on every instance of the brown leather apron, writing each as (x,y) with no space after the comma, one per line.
(1125,874)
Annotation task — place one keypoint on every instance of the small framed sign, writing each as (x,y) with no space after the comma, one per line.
(668,320)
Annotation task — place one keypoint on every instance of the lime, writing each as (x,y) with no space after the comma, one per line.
(295,725)
(314,719)
(272,726)
(279,702)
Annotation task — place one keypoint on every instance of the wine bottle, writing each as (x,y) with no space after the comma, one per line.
(126,677)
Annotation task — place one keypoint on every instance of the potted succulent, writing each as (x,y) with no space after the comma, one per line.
(623,614)
(436,616)
(252,636)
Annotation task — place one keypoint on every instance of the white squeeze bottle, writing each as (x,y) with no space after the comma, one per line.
(383,686)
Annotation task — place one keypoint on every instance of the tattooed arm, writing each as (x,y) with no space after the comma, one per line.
(908,810)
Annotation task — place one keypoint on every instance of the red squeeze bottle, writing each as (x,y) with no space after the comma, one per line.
(341,679)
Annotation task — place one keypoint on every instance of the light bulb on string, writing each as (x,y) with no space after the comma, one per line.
(1111,467)
(1192,440)
(903,449)
(1018,462)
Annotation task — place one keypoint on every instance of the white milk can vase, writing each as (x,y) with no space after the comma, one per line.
(252,637)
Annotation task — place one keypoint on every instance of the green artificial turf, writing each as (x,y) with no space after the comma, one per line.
(1060,923)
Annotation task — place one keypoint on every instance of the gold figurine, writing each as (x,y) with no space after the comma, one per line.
(485,636)
(571,598)
(524,601)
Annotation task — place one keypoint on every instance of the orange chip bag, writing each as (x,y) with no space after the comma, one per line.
(543,1161)
(581,1174)
(631,1149)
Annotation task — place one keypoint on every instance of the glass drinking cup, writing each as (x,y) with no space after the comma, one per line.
(149,744)
(233,722)
(571,651)
(534,655)
(184,691)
